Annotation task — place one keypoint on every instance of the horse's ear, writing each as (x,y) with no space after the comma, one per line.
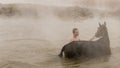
(105,23)
(100,24)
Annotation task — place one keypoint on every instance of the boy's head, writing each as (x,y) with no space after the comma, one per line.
(75,32)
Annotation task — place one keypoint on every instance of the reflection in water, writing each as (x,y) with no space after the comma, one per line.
(76,63)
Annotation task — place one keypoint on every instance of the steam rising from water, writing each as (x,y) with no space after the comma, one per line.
(47,21)
(31,35)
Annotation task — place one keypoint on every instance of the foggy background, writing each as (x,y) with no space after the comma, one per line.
(32,32)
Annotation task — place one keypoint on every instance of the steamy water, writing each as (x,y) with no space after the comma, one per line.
(33,40)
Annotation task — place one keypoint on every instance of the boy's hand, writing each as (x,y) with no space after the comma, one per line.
(92,38)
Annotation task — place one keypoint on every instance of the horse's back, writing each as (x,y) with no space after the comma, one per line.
(86,49)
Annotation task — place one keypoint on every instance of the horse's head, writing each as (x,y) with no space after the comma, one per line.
(102,29)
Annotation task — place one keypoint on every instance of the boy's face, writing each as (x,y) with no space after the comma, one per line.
(76,33)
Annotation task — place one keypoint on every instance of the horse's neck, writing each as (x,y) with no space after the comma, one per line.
(105,38)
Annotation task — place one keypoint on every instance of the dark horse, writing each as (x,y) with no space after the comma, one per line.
(89,49)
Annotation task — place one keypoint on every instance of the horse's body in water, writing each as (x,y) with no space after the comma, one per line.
(89,49)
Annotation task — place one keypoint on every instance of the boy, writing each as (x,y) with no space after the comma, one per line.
(75,35)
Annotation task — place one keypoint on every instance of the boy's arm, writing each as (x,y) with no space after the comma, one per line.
(71,39)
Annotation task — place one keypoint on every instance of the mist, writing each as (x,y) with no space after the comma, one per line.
(45,22)
(32,33)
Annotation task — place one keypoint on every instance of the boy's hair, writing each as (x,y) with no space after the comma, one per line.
(74,29)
